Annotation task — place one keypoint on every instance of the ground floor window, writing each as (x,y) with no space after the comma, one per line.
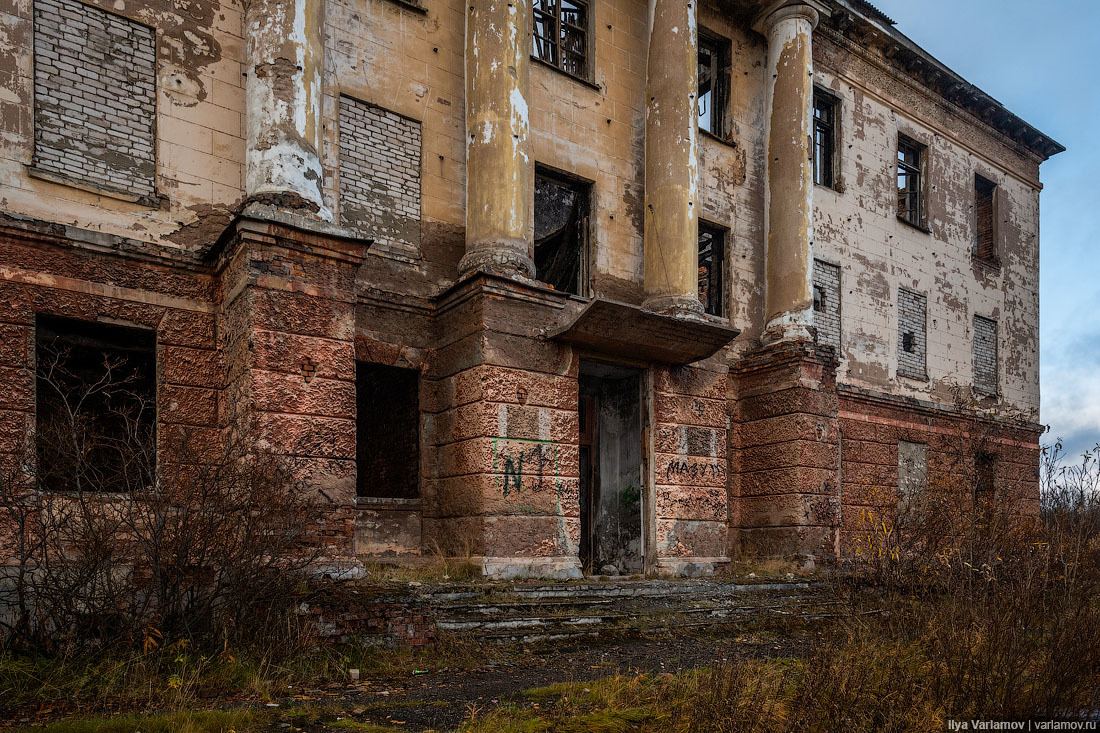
(387,431)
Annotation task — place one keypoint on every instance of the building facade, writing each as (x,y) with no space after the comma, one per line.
(559,285)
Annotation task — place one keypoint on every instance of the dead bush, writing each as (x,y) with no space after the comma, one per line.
(116,532)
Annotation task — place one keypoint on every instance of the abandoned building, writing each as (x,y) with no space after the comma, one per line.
(555,285)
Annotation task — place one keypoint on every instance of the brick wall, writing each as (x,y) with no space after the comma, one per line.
(912,336)
(827,304)
(985,355)
(380,175)
(95,97)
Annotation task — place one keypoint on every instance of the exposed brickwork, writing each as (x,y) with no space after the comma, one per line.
(380,174)
(912,334)
(985,355)
(985,227)
(827,304)
(94,97)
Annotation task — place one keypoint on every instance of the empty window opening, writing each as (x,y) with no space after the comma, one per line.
(912,334)
(985,470)
(985,228)
(560,34)
(95,406)
(561,233)
(387,451)
(714,83)
(910,192)
(826,281)
(712,257)
(825,106)
(985,355)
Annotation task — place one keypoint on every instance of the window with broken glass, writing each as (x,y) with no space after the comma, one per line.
(561,233)
(910,196)
(824,138)
(714,68)
(712,250)
(560,34)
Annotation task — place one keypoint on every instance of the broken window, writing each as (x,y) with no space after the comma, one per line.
(387,434)
(712,258)
(912,336)
(561,233)
(985,237)
(714,82)
(95,406)
(824,138)
(560,34)
(910,195)
(985,355)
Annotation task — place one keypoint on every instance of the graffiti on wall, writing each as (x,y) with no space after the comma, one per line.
(526,465)
(694,469)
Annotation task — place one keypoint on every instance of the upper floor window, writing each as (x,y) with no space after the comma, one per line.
(560,34)
(94,99)
(561,232)
(910,184)
(714,81)
(712,257)
(985,224)
(824,138)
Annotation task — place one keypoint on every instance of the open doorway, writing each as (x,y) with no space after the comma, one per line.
(611,467)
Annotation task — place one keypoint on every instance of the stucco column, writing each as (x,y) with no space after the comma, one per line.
(671,161)
(788,297)
(285,64)
(500,174)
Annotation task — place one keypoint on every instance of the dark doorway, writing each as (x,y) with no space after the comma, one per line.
(561,232)
(388,431)
(611,466)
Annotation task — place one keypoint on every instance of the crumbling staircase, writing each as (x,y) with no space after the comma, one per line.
(533,612)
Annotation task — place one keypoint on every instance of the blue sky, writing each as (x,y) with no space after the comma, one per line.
(1038,59)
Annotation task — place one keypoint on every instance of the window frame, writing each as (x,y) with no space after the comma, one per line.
(831,128)
(719,234)
(721,54)
(914,172)
(554,17)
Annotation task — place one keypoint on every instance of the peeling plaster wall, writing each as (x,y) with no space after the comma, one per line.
(858,227)
(199,144)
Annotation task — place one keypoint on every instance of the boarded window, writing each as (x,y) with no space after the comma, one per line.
(910,181)
(825,106)
(827,304)
(560,34)
(714,84)
(912,471)
(387,449)
(712,258)
(912,336)
(94,97)
(380,175)
(985,228)
(985,355)
(95,406)
(561,233)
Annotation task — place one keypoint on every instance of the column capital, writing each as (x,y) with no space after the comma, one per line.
(779,10)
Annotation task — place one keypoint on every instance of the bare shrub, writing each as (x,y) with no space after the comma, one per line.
(115,534)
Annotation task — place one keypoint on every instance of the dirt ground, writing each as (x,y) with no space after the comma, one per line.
(440,700)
